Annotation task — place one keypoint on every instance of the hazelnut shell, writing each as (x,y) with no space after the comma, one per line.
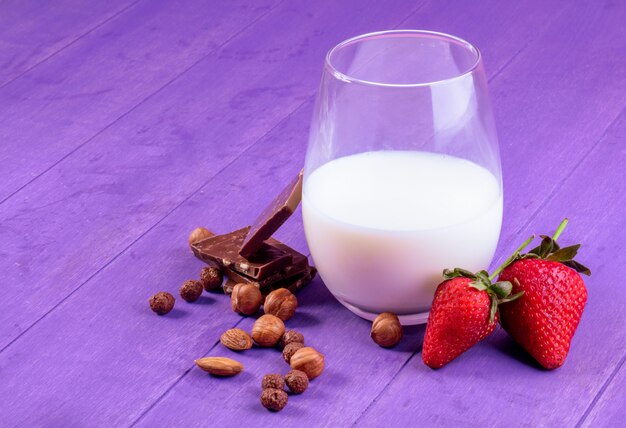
(246,299)
(309,361)
(281,303)
(386,330)
(267,330)
(198,234)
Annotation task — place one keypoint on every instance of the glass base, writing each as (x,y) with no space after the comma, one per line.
(405,319)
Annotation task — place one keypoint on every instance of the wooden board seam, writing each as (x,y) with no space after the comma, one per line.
(62,48)
(601,391)
(147,98)
(123,251)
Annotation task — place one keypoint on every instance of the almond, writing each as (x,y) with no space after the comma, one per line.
(236,339)
(220,366)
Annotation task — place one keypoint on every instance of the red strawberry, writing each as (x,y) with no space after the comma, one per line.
(464,312)
(544,320)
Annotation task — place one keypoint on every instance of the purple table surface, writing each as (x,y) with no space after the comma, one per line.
(125,124)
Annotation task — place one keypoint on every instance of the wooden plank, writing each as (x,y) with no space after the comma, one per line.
(132,175)
(23,44)
(65,102)
(609,410)
(116,310)
(125,339)
(509,387)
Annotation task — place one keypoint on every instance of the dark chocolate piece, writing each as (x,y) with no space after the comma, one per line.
(223,251)
(293,284)
(288,272)
(272,217)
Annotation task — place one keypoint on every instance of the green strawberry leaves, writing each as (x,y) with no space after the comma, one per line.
(502,288)
(457,273)
(499,292)
(549,249)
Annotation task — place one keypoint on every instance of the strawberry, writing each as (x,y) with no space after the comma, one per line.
(544,320)
(464,312)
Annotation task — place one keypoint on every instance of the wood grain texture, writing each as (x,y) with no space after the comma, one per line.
(65,102)
(109,224)
(609,410)
(31,33)
(106,330)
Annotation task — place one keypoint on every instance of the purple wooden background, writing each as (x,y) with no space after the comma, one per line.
(125,124)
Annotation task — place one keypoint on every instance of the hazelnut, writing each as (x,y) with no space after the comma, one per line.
(386,330)
(274,381)
(309,361)
(211,278)
(162,302)
(198,234)
(246,299)
(281,303)
(191,290)
(290,336)
(291,349)
(236,339)
(297,381)
(267,330)
(274,399)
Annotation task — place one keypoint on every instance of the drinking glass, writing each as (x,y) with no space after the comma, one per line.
(402,173)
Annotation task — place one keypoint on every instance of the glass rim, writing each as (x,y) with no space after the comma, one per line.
(423,33)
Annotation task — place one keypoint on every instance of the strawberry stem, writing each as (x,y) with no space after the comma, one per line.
(513,256)
(560,229)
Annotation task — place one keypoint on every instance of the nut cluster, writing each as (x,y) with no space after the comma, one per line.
(190,291)
(269,330)
(386,330)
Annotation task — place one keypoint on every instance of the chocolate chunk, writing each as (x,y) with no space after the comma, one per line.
(288,272)
(272,217)
(223,250)
(293,284)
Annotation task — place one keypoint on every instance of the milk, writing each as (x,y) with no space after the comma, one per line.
(382,226)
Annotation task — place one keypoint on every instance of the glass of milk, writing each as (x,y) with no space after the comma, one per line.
(402,175)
